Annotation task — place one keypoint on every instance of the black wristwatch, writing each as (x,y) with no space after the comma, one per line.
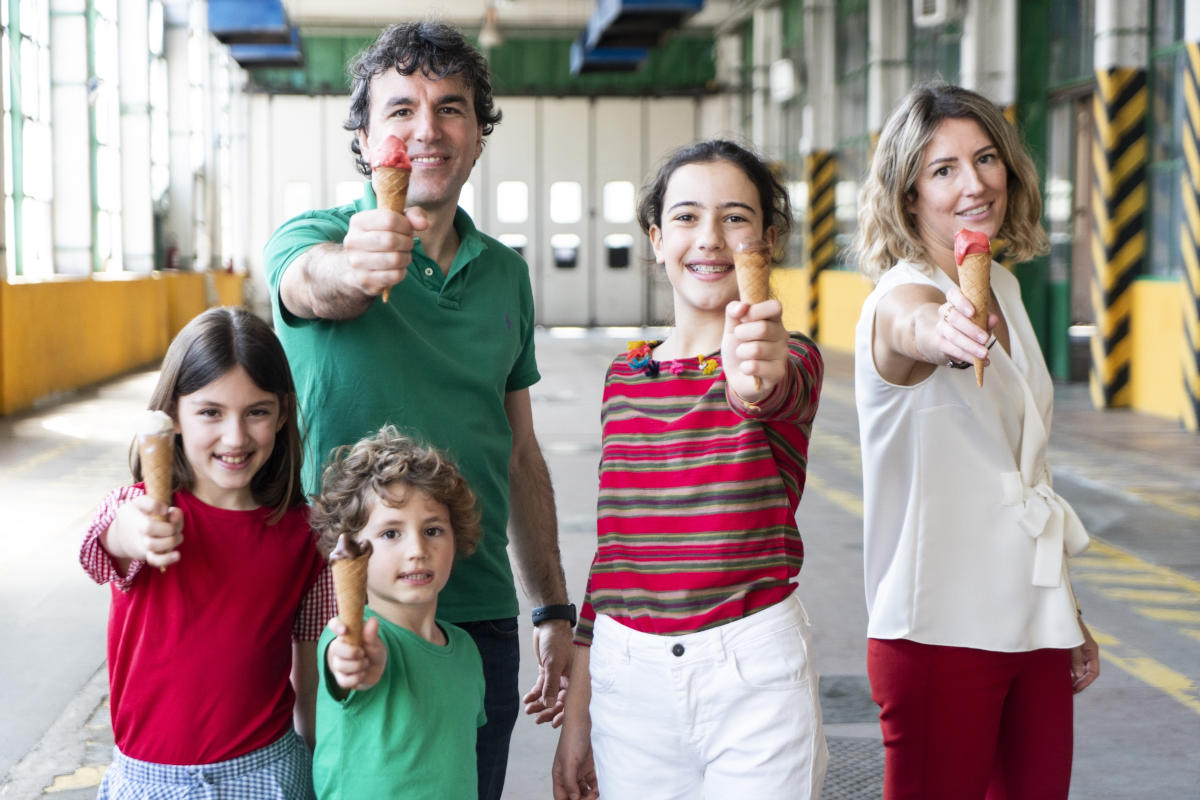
(546,613)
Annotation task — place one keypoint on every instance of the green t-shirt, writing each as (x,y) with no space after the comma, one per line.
(436,361)
(410,735)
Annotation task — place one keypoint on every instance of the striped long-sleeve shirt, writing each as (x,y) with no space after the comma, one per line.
(696,515)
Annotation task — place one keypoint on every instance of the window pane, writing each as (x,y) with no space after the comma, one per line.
(38,177)
(512,201)
(466,199)
(346,192)
(297,198)
(619,201)
(566,202)
(29,79)
(35,244)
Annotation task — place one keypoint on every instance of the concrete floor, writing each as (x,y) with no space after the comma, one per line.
(1135,481)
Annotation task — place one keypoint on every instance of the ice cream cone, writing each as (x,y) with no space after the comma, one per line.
(350,585)
(156,454)
(391,185)
(974,279)
(752,265)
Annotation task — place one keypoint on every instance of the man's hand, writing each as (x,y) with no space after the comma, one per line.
(356,668)
(554,651)
(378,248)
(340,280)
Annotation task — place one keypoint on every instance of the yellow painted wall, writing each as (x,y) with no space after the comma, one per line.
(230,288)
(842,294)
(66,333)
(790,286)
(1156,338)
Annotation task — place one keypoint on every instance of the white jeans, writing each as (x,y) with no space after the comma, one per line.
(731,712)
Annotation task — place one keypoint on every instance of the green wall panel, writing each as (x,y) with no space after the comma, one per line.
(684,65)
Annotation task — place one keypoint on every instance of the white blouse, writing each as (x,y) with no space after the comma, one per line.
(964,536)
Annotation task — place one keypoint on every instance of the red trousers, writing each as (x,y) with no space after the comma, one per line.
(964,724)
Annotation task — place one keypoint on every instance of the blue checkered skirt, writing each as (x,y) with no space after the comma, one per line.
(279,771)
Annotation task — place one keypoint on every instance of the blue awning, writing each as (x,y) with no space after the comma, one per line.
(605,59)
(269,55)
(249,22)
(636,23)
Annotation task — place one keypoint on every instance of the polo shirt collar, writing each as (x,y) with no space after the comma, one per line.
(470,246)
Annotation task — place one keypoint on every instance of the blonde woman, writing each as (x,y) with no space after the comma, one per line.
(976,644)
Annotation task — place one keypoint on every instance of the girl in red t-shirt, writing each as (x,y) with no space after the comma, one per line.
(212,652)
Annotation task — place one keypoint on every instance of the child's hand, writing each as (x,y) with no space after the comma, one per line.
(137,533)
(357,668)
(754,346)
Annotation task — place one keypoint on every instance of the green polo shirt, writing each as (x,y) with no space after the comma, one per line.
(436,361)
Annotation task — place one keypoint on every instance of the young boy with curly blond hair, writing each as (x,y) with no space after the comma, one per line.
(398,715)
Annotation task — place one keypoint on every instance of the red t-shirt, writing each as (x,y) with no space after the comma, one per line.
(199,655)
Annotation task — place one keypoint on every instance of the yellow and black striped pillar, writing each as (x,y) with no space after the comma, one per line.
(1189,238)
(821,166)
(1118,230)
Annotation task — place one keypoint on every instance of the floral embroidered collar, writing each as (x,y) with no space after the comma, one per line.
(638,357)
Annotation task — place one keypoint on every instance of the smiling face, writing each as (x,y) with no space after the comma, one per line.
(708,209)
(963,183)
(228,429)
(436,120)
(413,552)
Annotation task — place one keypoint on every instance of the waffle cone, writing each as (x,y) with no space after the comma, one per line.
(157,455)
(392,189)
(753,271)
(350,585)
(974,278)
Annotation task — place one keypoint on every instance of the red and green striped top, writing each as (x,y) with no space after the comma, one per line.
(696,515)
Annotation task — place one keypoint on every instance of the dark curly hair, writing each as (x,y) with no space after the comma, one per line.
(772,196)
(437,51)
(358,474)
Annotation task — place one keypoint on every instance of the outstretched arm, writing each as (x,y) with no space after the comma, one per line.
(340,281)
(534,540)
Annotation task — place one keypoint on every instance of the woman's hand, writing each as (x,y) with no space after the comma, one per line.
(959,339)
(1085,661)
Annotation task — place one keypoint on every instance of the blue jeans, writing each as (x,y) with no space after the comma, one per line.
(501,654)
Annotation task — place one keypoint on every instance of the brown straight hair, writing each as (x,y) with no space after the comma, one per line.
(209,346)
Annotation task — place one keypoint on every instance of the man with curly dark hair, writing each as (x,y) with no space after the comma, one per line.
(449,354)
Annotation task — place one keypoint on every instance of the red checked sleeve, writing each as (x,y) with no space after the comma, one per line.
(96,561)
(316,609)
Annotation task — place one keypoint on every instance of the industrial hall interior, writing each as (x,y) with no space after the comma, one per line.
(151,148)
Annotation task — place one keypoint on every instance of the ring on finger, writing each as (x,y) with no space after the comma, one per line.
(946,314)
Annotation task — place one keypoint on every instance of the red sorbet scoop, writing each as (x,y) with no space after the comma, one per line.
(968,241)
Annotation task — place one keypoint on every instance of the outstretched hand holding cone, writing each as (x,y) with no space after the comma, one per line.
(349,564)
(392,170)
(973,253)
(156,454)
(752,265)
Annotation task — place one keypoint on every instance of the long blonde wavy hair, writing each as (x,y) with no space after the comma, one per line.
(887,231)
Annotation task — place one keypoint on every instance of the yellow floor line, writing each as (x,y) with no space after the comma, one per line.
(1146,669)
(40,458)
(1184,615)
(82,778)
(1167,596)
